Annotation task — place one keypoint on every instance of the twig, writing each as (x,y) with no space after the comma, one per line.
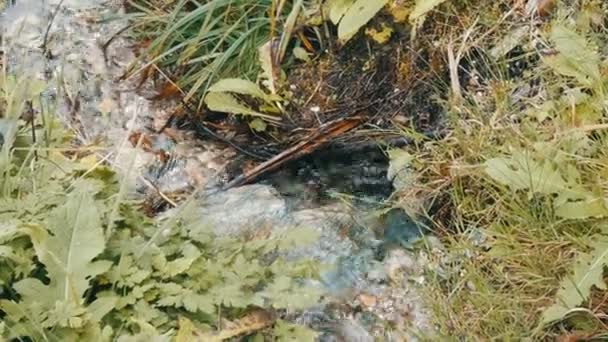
(48,28)
(201,126)
(106,45)
(306,146)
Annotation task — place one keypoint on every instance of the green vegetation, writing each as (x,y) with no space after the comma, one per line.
(521,180)
(204,41)
(80,262)
(518,186)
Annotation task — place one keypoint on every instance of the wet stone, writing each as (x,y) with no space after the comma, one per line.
(237,210)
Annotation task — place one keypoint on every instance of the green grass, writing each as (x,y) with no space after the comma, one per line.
(201,42)
(508,241)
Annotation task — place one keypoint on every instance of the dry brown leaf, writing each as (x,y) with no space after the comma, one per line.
(253,321)
(368,301)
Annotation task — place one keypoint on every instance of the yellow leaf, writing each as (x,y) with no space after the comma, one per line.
(399,11)
(381,37)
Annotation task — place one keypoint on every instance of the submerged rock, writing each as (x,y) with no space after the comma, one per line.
(238,210)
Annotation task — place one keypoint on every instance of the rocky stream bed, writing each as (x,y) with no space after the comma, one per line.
(374,284)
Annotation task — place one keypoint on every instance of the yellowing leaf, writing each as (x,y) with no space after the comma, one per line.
(288,29)
(226,103)
(357,15)
(399,11)
(238,86)
(575,288)
(186,332)
(382,36)
(270,71)
(398,169)
(575,58)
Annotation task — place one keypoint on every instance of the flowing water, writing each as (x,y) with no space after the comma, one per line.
(372,285)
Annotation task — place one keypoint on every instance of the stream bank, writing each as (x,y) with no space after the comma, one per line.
(369,296)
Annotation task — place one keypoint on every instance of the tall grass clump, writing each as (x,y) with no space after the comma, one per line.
(199,42)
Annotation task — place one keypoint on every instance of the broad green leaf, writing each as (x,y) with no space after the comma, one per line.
(177,296)
(147,332)
(30,290)
(357,15)
(226,103)
(575,288)
(522,172)
(77,238)
(101,306)
(13,310)
(582,209)
(284,293)
(337,9)
(66,315)
(575,57)
(238,86)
